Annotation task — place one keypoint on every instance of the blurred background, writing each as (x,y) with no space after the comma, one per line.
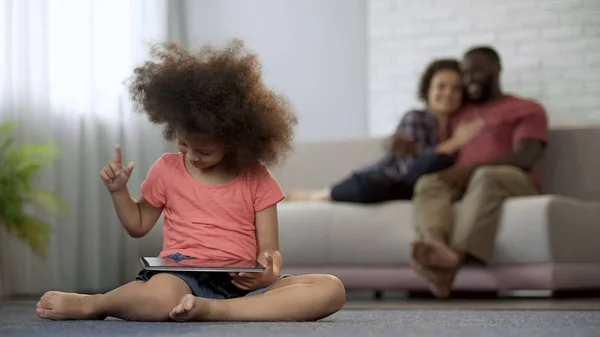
(350,68)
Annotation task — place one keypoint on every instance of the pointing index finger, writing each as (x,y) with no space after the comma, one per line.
(119,153)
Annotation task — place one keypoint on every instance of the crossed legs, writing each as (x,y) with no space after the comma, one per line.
(443,245)
(165,297)
(135,301)
(295,298)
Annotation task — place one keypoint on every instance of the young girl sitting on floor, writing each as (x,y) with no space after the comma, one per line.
(218,198)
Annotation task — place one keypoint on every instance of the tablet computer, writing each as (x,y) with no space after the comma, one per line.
(200,265)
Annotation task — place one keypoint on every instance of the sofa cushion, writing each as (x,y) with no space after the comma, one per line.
(313,234)
(533,230)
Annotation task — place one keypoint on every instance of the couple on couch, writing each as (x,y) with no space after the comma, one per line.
(472,143)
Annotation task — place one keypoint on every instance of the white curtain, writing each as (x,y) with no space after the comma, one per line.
(62,68)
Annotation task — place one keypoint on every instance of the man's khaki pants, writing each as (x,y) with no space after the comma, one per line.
(474,228)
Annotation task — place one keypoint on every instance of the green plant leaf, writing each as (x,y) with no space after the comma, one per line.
(33,231)
(19,165)
(7,127)
(34,155)
(47,200)
(5,145)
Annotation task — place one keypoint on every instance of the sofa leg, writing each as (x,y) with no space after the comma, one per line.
(583,293)
(378,294)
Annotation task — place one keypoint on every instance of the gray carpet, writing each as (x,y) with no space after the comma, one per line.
(19,320)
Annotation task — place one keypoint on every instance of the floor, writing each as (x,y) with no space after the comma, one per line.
(485,304)
(423,318)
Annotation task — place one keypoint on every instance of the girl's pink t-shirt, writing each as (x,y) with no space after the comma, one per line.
(209,221)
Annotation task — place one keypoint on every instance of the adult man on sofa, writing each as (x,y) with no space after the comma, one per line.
(499,163)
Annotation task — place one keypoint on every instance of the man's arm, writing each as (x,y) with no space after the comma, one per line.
(449,147)
(529,138)
(526,154)
(267,232)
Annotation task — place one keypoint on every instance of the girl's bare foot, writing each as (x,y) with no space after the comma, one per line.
(66,306)
(191,308)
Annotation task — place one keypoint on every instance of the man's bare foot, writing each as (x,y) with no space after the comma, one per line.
(435,262)
(439,282)
(66,306)
(191,308)
(435,254)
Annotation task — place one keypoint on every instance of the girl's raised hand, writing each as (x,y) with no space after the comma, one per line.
(115,175)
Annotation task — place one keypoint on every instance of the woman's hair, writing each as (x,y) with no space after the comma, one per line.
(216,93)
(433,68)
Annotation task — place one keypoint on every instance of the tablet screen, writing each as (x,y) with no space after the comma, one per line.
(165,264)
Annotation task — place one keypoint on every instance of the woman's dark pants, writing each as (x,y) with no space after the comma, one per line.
(376,186)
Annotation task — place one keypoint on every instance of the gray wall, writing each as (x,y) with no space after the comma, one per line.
(314,51)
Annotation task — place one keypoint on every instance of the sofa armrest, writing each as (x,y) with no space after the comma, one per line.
(548,229)
(315,165)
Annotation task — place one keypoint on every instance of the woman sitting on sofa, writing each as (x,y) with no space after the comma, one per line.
(421,144)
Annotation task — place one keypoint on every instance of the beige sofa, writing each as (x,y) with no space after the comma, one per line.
(548,242)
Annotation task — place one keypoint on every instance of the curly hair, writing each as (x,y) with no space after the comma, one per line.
(433,68)
(215,93)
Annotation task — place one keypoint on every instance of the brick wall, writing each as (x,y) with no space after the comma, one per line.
(550,50)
